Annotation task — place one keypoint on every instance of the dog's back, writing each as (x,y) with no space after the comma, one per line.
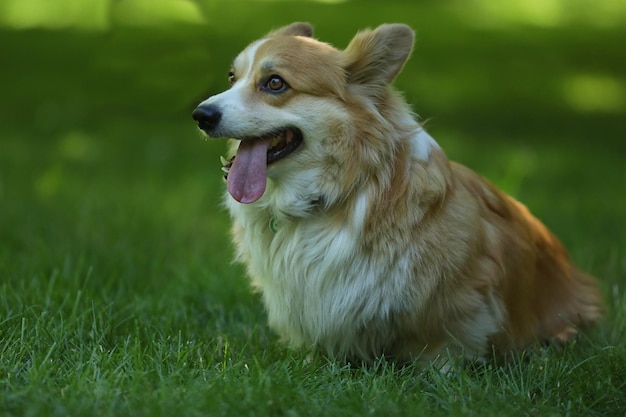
(544,295)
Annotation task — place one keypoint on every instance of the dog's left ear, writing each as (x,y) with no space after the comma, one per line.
(294,29)
(375,57)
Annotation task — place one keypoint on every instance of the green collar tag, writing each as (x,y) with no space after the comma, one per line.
(274,224)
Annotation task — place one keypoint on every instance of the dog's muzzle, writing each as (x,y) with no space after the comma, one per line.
(207,116)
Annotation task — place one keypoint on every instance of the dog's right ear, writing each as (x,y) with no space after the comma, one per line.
(374,57)
(294,29)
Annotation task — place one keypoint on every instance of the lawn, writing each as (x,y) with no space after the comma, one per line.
(117,291)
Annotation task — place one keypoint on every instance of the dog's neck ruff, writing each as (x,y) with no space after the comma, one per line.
(422,145)
(275,222)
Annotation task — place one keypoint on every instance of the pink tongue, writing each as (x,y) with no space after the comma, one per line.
(248,175)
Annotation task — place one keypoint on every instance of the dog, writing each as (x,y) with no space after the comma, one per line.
(363,239)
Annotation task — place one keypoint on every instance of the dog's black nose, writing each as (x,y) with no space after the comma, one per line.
(207,117)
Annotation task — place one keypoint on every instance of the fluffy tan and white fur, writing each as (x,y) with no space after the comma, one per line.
(363,239)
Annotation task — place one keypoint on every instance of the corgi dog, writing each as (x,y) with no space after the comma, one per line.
(363,239)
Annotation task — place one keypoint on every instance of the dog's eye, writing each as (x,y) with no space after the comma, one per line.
(231,78)
(276,84)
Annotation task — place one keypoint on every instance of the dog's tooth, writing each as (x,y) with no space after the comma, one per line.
(289,135)
(224,161)
(276,140)
(226,169)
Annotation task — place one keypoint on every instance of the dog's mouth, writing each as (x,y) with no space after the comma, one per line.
(283,144)
(246,172)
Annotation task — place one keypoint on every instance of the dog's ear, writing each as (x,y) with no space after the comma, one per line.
(375,57)
(294,29)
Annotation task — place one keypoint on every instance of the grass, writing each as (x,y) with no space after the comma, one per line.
(117,294)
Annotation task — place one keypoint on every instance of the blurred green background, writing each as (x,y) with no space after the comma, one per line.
(104,179)
(117,291)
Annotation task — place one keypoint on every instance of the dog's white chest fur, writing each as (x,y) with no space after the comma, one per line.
(318,284)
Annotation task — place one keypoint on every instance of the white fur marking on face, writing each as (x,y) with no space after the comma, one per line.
(421,144)
(250,54)
(231,97)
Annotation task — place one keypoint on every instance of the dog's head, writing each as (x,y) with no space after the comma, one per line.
(306,114)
